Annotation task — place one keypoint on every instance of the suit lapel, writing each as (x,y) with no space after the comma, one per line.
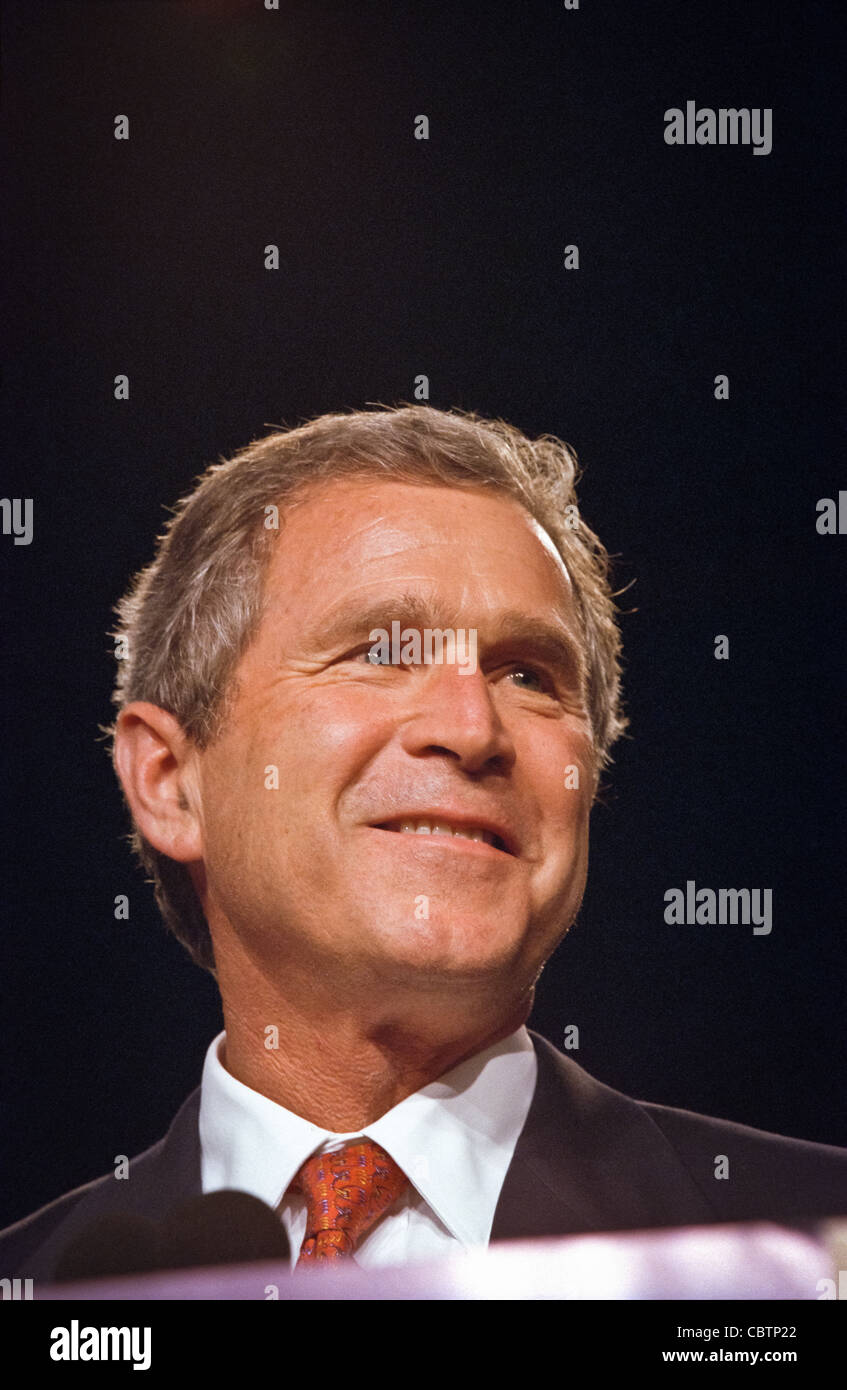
(590,1159)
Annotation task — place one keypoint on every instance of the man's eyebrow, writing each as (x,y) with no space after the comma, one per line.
(354,618)
(552,641)
(549,639)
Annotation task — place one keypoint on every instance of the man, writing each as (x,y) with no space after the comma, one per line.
(372,682)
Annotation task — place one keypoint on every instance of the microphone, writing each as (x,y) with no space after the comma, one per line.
(223,1228)
(218,1228)
(116,1244)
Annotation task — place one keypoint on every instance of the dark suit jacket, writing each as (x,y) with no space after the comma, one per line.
(588,1159)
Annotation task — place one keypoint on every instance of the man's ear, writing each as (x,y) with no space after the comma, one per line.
(156,762)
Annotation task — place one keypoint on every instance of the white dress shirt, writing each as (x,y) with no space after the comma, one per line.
(454,1140)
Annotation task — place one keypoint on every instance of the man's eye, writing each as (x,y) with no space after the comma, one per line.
(538,681)
(369,654)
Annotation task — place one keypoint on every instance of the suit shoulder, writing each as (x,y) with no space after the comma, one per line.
(754,1170)
(741,1173)
(20,1240)
(690,1125)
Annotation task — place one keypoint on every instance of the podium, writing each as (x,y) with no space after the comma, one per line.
(756,1261)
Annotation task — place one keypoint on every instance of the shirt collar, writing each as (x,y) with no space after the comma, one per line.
(454,1138)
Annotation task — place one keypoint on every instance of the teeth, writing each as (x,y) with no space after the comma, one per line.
(430,827)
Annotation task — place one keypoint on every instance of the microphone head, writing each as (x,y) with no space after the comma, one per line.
(220,1228)
(116,1244)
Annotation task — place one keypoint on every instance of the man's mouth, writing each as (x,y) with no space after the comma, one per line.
(434,826)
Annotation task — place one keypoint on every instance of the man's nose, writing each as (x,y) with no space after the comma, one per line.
(455,713)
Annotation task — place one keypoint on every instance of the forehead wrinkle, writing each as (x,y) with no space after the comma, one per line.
(388,532)
(412,529)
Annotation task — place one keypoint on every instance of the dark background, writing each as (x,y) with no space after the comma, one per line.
(444,257)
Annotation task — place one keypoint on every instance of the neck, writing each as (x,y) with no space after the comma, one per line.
(338,1062)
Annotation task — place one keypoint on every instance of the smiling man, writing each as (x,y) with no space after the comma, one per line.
(375,858)
(314,891)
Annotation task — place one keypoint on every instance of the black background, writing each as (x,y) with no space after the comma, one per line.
(442,257)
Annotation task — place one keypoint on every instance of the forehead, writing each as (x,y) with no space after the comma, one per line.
(479,546)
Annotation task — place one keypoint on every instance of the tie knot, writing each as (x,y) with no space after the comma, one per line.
(346,1192)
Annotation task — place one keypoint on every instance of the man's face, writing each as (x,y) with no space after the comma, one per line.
(332,868)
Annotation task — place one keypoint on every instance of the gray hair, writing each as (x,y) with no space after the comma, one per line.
(190,615)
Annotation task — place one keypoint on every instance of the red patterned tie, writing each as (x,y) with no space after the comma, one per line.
(346,1192)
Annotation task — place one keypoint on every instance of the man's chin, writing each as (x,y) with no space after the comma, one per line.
(465,948)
